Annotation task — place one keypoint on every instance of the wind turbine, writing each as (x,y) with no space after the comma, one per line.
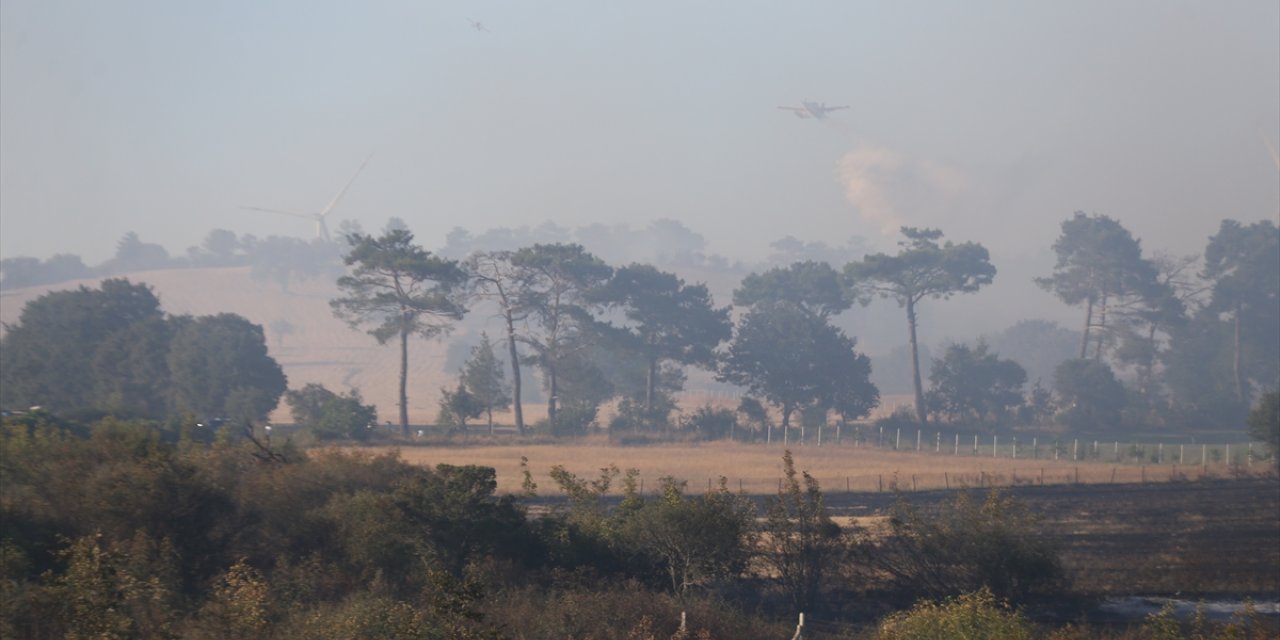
(322,230)
(1275,157)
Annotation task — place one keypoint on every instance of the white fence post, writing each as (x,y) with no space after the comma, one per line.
(799,629)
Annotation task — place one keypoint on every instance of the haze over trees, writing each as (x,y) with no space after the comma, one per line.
(594,334)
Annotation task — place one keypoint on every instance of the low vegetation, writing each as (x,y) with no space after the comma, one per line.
(129,529)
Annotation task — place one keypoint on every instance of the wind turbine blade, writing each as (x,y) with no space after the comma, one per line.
(295,214)
(332,203)
(1275,157)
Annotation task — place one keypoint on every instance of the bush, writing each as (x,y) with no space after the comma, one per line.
(633,416)
(571,420)
(1264,422)
(969,546)
(329,415)
(711,423)
(972,616)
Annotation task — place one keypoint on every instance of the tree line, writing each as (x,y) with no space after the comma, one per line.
(1153,328)
(1166,342)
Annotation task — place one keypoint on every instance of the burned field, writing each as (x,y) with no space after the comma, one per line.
(1216,538)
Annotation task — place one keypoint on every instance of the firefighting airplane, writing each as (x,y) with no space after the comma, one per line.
(809,109)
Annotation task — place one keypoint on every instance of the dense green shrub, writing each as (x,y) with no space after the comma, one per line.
(973,616)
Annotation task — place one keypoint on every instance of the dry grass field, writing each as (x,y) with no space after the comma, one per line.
(755,468)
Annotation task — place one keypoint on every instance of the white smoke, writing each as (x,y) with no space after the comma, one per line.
(890,189)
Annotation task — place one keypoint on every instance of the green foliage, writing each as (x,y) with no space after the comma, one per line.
(371,616)
(494,276)
(668,320)
(1099,264)
(580,388)
(971,616)
(1198,373)
(970,384)
(632,415)
(398,289)
(697,540)
(124,590)
(1241,262)
(458,406)
(240,606)
(47,357)
(113,351)
(968,546)
(753,413)
(802,543)
(923,268)
(220,367)
(812,286)
(1089,394)
(483,378)
(558,284)
(795,359)
(329,415)
(711,423)
(1264,422)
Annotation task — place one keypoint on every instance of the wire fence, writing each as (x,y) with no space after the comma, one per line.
(1019,447)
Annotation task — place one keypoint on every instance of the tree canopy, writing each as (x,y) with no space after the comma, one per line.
(396,288)
(1099,264)
(795,359)
(1243,264)
(812,286)
(667,319)
(969,384)
(921,269)
(113,350)
(220,367)
(558,283)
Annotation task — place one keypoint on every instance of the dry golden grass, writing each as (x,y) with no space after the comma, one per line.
(756,468)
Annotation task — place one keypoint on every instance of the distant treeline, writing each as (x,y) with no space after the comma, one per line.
(281,259)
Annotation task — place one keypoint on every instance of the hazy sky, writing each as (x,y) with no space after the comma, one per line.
(991,120)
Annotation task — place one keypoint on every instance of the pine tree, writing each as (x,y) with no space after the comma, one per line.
(483,377)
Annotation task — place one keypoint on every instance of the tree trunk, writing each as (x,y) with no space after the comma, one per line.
(786,422)
(921,414)
(1102,329)
(552,388)
(1235,360)
(515,372)
(404,382)
(489,412)
(1149,367)
(1088,322)
(650,381)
